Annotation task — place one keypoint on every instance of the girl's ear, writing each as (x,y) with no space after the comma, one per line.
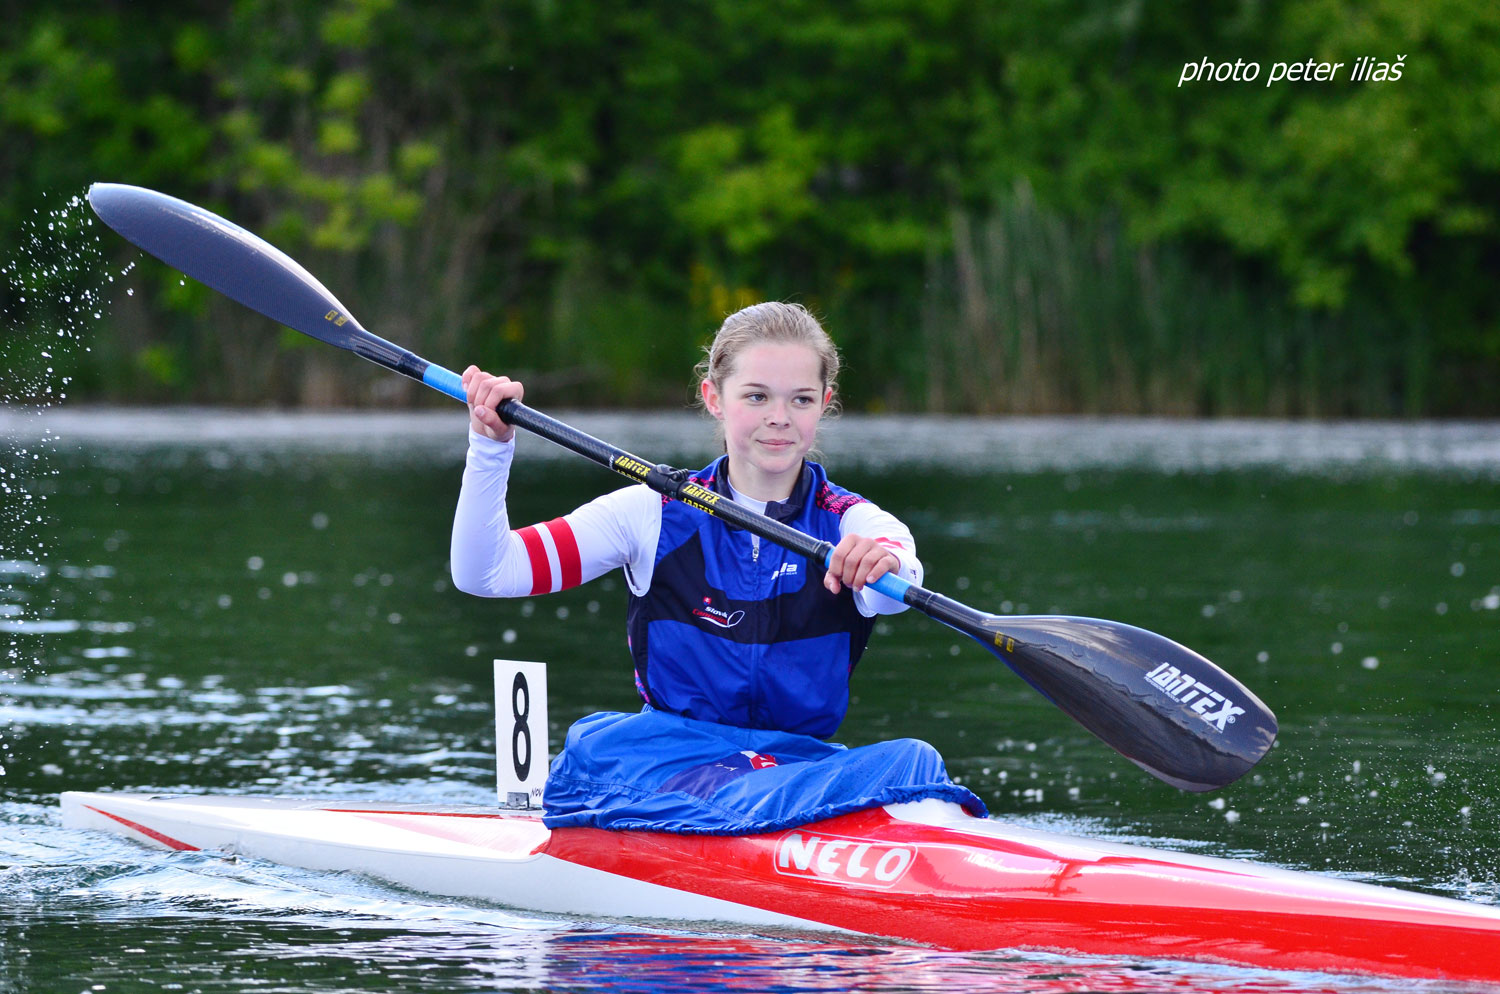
(827,397)
(711,399)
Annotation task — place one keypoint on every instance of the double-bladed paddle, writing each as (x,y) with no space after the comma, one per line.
(1164,707)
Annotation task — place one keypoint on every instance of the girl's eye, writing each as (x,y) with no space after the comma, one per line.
(755,398)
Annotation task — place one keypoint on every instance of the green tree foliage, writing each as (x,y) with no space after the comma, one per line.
(997,206)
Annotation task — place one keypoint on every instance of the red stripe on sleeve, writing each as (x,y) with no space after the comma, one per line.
(567,552)
(541,571)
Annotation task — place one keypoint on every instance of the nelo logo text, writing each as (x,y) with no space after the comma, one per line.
(847,862)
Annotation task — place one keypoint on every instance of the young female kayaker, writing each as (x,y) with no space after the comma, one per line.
(742,658)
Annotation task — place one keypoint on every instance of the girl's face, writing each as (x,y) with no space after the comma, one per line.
(770,406)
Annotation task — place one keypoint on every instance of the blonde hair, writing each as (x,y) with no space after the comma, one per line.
(770,322)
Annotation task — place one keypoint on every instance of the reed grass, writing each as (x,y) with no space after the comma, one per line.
(1028,312)
(1017,310)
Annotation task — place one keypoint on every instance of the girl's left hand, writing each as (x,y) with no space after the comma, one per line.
(858,561)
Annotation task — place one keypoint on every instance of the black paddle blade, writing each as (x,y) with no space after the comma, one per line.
(241,265)
(226,257)
(1161,705)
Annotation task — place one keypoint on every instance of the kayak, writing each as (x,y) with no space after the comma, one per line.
(922,872)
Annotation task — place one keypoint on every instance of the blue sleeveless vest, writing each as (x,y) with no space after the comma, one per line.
(739,636)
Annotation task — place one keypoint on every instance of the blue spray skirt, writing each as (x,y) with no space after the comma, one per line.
(659,772)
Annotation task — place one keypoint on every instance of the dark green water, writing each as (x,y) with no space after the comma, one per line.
(236,615)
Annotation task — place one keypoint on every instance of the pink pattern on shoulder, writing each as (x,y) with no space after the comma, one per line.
(837,503)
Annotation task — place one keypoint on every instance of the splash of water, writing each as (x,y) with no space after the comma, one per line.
(54,287)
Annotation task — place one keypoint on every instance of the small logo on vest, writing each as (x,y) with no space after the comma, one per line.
(847,862)
(716,617)
(787,569)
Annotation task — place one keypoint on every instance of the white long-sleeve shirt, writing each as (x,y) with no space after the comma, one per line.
(617,530)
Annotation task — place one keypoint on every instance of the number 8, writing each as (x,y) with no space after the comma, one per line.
(520,708)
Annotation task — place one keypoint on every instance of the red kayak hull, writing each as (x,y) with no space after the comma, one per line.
(994,893)
(922,873)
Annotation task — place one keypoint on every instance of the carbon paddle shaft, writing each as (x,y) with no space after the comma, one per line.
(1161,705)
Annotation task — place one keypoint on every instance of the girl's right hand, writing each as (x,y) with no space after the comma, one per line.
(485,395)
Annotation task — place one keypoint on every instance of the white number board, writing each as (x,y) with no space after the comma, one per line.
(520,732)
